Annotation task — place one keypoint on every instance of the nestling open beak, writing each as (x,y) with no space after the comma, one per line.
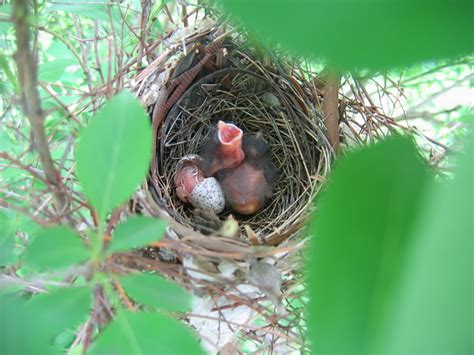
(230,138)
(229,134)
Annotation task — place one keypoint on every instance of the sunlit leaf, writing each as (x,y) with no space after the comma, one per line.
(5,16)
(5,65)
(433,305)
(114,152)
(361,236)
(11,223)
(7,239)
(97,10)
(135,232)
(156,291)
(54,70)
(363,33)
(55,247)
(145,333)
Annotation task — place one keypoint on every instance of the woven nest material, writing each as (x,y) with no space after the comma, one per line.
(246,270)
(260,98)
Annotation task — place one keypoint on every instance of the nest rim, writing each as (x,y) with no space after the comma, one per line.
(299,127)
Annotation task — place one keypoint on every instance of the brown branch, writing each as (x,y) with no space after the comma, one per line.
(331,108)
(28,83)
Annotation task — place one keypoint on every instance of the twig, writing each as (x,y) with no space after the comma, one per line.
(331,108)
(28,83)
(436,94)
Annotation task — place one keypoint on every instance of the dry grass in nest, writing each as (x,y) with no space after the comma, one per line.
(259,100)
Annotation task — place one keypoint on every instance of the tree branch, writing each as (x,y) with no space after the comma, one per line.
(28,81)
(331,108)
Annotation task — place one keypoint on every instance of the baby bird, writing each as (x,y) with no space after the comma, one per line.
(193,187)
(241,165)
(249,186)
(223,149)
(245,188)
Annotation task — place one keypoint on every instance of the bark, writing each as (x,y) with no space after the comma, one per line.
(27,70)
(331,108)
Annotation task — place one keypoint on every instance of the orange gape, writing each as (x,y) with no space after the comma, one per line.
(224,151)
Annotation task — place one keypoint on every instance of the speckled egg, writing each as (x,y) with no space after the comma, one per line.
(208,195)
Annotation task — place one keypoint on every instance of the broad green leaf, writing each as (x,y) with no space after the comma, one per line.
(363,33)
(136,232)
(61,308)
(8,72)
(156,291)
(15,322)
(360,239)
(30,327)
(114,152)
(145,333)
(433,306)
(54,70)
(54,248)
(97,10)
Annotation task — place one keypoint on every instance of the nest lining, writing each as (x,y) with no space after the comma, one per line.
(259,100)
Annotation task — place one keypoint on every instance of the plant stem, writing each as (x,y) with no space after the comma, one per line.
(28,83)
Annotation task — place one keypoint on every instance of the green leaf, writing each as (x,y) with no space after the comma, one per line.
(7,240)
(55,247)
(363,33)
(8,72)
(61,308)
(15,322)
(136,232)
(54,70)
(30,327)
(10,223)
(361,236)
(145,333)
(5,16)
(156,291)
(433,309)
(98,10)
(114,152)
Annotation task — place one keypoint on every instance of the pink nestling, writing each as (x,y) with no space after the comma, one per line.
(194,188)
(242,166)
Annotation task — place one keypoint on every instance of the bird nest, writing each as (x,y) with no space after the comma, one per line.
(242,267)
(265,99)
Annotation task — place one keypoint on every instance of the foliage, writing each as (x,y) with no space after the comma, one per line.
(135,232)
(109,175)
(363,33)
(379,280)
(43,251)
(57,247)
(391,261)
(145,333)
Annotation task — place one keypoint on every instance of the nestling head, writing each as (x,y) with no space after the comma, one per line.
(230,139)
